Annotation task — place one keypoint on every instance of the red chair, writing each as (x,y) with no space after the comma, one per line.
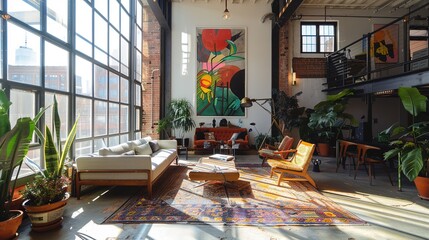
(271,152)
(370,160)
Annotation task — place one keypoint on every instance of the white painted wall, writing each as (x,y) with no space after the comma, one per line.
(186,17)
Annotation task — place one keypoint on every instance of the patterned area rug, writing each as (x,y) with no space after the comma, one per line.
(253,200)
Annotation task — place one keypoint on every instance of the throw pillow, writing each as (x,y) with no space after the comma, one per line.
(143,149)
(242,135)
(199,135)
(154,145)
(209,136)
(234,136)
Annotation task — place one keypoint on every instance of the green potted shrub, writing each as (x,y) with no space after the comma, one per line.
(14,145)
(328,119)
(47,193)
(411,144)
(180,115)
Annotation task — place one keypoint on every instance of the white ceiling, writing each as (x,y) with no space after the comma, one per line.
(376,5)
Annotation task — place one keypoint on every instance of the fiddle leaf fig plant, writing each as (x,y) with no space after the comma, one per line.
(410,144)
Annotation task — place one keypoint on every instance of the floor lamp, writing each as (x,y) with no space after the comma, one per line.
(248,102)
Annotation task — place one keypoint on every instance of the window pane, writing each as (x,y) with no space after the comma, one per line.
(84,46)
(327,44)
(114,87)
(23,105)
(139,39)
(57,18)
(99,143)
(124,118)
(113,118)
(100,55)
(114,43)
(137,119)
(126,4)
(137,135)
(114,141)
(139,11)
(124,90)
(56,67)
(83,148)
(138,71)
(84,21)
(100,35)
(114,13)
(63,106)
(100,118)
(101,6)
(26,11)
(84,110)
(125,24)
(124,56)
(124,138)
(138,96)
(100,84)
(83,79)
(23,56)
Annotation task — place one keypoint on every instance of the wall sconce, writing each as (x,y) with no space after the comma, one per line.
(293,78)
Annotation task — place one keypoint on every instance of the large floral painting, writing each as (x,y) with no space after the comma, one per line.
(221,78)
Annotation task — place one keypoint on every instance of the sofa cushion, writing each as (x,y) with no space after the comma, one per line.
(199,135)
(143,149)
(209,136)
(154,145)
(115,150)
(129,153)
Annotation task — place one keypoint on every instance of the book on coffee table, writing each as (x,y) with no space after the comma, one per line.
(222,157)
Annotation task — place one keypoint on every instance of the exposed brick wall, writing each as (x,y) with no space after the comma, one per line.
(151,64)
(309,67)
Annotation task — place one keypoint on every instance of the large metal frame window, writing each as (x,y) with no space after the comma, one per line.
(318,37)
(53,47)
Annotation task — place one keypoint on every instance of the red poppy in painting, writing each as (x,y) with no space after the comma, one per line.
(226,73)
(215,39)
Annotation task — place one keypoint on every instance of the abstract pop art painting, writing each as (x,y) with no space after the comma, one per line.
(221,76)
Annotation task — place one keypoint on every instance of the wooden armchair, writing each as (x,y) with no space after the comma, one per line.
(271,152)
(296,165)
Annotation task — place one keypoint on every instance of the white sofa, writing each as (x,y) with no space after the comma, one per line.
(135,163)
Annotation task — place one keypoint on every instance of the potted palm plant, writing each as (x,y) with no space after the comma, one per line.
(180,114)
(47,195)
(328,119)
(14,145)
(411,144)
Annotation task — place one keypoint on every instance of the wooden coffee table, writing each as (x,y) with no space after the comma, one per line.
(214,170)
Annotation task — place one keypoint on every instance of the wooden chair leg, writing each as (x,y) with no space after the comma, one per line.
(310,180)
(279,179)
(357,168)
(271,173)
(370,173)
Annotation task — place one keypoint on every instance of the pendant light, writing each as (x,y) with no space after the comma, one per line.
(226,14)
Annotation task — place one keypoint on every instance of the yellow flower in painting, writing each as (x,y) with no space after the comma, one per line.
(206,81)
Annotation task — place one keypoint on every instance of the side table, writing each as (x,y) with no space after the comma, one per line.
(181,149)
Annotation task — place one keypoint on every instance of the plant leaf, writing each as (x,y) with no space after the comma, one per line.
(413,101)
(412,163)
(51,154)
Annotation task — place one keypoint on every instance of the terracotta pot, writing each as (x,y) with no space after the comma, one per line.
(323,149)
(422,185)
(46,217)
(9,227)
